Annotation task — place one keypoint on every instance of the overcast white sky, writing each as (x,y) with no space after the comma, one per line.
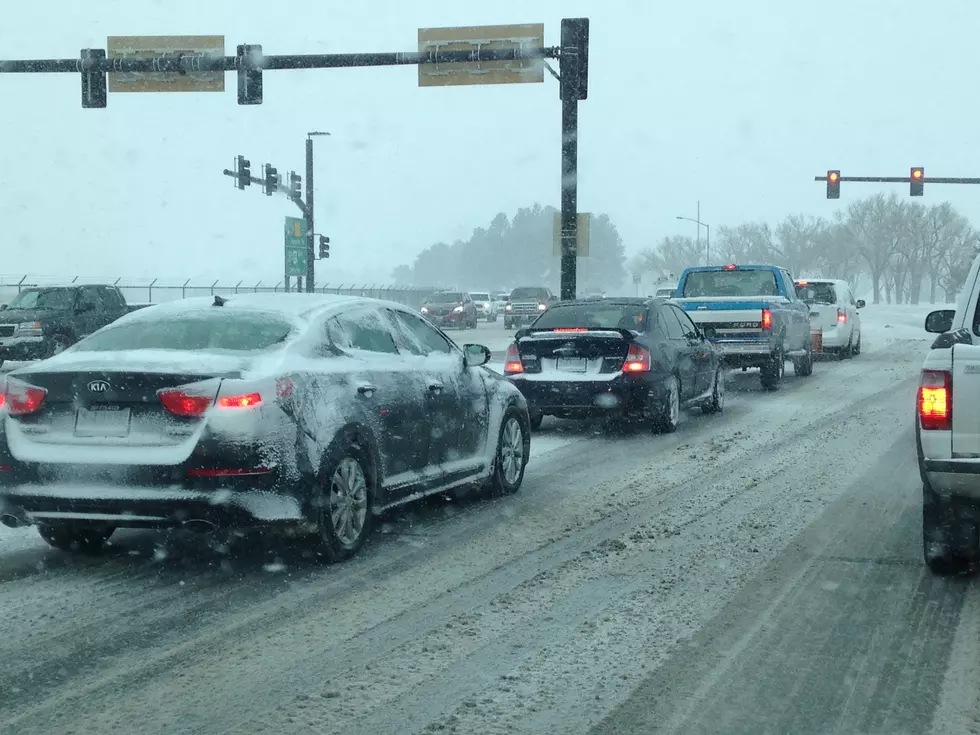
(736,104)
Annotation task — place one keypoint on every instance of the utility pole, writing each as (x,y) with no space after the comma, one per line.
(573,86)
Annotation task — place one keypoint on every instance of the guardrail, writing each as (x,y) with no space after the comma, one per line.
(159,290)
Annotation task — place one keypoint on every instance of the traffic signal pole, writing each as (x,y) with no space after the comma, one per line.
(916,181)
(249,62)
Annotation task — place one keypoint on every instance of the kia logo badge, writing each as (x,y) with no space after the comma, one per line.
(98,386)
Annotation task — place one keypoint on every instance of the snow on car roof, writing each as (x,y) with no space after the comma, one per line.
(303,305)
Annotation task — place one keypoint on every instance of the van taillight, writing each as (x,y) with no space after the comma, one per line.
(512,361)
(935,400)
(637,360)
(766,319)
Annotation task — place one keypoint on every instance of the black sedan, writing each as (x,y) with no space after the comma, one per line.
(315,412)
(640,358)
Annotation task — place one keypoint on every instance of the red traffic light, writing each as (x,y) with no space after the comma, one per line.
(833,184)
(917,180)
(833,176)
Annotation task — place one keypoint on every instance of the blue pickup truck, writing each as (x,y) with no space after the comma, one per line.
(752,315)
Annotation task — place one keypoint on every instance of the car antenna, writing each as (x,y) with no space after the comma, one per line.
(218,301)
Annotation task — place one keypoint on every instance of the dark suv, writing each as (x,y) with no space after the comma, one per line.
(526,304)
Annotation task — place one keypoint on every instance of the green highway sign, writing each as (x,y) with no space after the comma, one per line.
(296,246)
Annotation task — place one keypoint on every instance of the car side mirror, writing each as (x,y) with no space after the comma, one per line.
(476,355)
(940,321)
(860,303)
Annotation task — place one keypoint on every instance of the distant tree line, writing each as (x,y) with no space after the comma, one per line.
(517,252)
(909,252)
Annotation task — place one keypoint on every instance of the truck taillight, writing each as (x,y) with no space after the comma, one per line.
(935,400)
(766,319)
(841,316)
(637,360)
(512,361)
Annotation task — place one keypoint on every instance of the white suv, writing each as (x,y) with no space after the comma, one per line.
(834,311)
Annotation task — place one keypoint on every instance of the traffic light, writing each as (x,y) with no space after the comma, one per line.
(295,185)
(917,180)
(324,246)
(271,179)
(574,60)
(833,184)
(94,84)
(248,62)
(244,170)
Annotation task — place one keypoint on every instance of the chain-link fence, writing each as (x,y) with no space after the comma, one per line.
(159,290)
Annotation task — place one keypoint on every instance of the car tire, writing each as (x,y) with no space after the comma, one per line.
(857,347)
(772,372)
(343,503)
(535,419)
(803,366)
(848,352)
(81,539)
(667,413)
(513,448)
(716,404)
(944,554)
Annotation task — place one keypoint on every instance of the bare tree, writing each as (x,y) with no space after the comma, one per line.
(873,231)
(671,256)
(747,243)
(797,239)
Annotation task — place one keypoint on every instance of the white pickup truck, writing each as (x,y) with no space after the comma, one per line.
(947,434)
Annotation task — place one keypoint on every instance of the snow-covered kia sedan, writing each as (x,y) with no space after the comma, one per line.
(257,410)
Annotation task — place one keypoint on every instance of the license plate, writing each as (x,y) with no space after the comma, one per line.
(108,422)
(571,364)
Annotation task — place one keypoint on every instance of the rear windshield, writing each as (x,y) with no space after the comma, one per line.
(479,296)
(730,283)
(528,294)
(600,315)
(817,293)
(48,298)
(445,297)
(210,331)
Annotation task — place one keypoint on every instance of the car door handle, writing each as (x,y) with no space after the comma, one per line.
(435,386)
(366,389)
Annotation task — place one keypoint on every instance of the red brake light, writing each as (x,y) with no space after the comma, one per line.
(841,316)
(570,329)
(802,283)
(730,267)
(766,319)
(512,361)
(22,399)
(637,360)
(182,404)
(246,400)
(935,400)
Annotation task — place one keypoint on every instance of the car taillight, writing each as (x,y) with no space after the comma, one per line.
(935,400)
(246,400)
(637,360)
(766,319)
(512,361)
(182,404)
(841,316)
(22,399)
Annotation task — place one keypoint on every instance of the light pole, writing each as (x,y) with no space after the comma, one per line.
(700,224)
(310,237)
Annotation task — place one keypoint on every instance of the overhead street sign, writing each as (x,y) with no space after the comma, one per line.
(583,222)
(484,38)
(296,246)
(149,47)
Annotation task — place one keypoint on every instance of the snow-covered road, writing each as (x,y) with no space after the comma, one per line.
(758,571)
